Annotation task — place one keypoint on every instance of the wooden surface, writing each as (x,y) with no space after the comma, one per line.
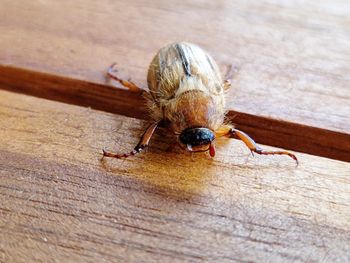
(60,202)
(292,58)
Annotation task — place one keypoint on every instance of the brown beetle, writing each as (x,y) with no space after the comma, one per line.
(186,90)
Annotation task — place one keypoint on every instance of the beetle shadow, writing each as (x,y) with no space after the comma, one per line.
(175,174)
(181,175)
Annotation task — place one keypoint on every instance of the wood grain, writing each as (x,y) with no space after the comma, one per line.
(275,132)
(292,57)
(60,202)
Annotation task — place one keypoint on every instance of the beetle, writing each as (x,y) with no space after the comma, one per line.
(186,91)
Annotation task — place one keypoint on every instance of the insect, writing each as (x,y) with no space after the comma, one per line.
(187,92)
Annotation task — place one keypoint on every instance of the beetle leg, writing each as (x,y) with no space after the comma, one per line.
(224,130)
(143,143)
(228,76)
(128,84)
(249,142)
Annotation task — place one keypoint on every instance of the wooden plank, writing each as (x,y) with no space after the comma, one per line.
(289,67)
(275,132)
(59,201)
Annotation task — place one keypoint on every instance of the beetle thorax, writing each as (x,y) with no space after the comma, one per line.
(193,106)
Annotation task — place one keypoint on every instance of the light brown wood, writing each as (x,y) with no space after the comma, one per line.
(292,58)
(60,202)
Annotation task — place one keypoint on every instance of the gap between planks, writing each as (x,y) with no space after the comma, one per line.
(269,131)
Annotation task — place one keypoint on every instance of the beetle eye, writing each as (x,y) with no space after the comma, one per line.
(196,136)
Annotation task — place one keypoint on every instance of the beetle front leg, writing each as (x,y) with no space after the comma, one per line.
(143,143)
(228,76)
(128,84)
(231,132)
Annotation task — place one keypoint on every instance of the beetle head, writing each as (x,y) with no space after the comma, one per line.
(198,140)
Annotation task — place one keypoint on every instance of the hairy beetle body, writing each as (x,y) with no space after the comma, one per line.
(187,91)
(186,88)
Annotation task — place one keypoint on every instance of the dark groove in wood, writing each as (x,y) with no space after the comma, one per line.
(274,132)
